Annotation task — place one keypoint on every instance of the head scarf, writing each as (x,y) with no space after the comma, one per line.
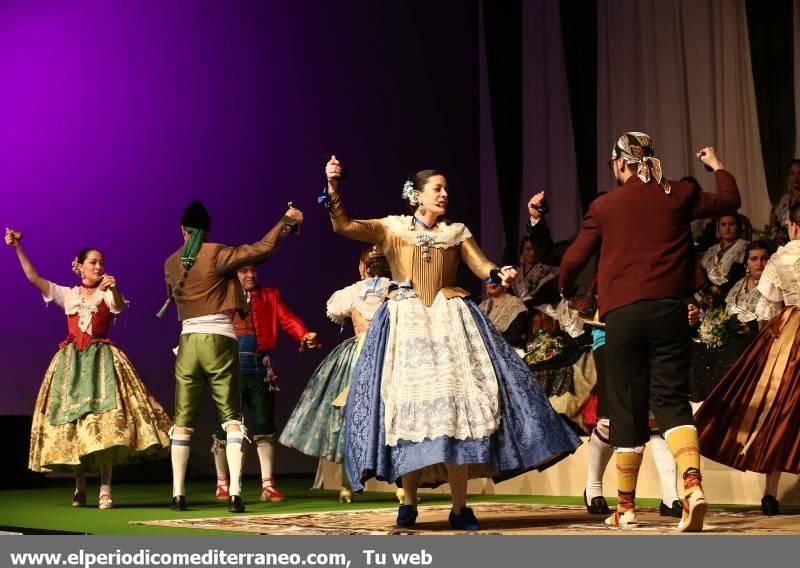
(637,148)
(197,222)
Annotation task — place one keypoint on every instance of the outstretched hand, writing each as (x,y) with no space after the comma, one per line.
(507,274)
(295,215)
(12,238)
(708,156)
(535,204)
(333,171)
(310,341)
(107,282)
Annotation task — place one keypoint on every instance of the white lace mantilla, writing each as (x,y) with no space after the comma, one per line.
(718,267)
(781,278)
(73,303)
(447,236)
(438,379)
(750,306)
(362,296)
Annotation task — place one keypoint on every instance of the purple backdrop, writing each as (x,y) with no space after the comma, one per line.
(114,115)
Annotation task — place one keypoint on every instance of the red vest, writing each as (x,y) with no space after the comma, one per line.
(266,312)
(101,322)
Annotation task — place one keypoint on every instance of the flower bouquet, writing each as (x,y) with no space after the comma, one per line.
(775,234)
(717,328)
(543,348)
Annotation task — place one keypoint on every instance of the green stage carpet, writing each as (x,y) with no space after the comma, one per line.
(49,508)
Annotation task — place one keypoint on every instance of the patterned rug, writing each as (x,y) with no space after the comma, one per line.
(495,518)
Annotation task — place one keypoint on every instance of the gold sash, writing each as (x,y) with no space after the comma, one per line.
(771,377)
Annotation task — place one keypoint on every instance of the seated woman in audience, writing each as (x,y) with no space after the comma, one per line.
(508,314)
(709,364)
(723,263)
(791,196)
(535,284)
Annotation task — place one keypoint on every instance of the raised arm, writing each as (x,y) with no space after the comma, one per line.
(13,239)
(482,267)
(546,251)
(579,253)
(369,231)
(727,198)
(230,259)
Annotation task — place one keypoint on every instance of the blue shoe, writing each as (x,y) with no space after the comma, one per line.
(464,521)
(406,516)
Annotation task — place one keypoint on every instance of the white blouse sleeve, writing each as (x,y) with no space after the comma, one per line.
(108,298)
(340,304)
(767,309)
(769,284)
(57,294)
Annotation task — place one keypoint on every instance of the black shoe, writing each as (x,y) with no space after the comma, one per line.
(675,511)
(464,521)
(178,503)
(235,504)
(406,516)
(770,506)
(598,506)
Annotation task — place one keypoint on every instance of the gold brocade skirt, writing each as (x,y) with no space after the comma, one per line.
(136,428)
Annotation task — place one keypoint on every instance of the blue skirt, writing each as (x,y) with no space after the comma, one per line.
(315,426)
(530,435)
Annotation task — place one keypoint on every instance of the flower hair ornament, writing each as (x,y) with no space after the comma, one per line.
(408,193)
(75,265)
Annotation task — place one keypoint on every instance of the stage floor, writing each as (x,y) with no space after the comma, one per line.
(48,509)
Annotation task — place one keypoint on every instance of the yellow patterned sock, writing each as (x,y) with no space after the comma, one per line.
(628,464)
(685,447)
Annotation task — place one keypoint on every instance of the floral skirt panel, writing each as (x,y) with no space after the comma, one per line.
(135,426)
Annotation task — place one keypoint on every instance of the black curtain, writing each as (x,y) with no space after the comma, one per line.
(579,36)
(502,22)
(772,57)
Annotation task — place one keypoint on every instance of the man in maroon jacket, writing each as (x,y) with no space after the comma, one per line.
(257,335)
(646,268)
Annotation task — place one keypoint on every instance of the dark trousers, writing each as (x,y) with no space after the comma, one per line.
(647,364)
(599,355)
(260,401)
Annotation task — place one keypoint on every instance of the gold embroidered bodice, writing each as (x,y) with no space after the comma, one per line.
(404,247)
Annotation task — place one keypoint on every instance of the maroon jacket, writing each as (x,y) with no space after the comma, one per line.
(644,240)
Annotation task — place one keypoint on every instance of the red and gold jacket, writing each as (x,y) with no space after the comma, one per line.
(266,312)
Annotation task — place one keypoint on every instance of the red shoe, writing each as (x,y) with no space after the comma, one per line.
(270,492)
(222,490)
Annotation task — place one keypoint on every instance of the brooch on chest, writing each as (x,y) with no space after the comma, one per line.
(425,242)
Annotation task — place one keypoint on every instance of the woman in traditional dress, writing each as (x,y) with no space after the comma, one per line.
(315,426)
(438,395)
(750,307)
(723,263)
(750,420)
(507,313)
(534,283)
(92,411)
(791,196)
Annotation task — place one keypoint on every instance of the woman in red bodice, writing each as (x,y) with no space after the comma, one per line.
(93,411)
